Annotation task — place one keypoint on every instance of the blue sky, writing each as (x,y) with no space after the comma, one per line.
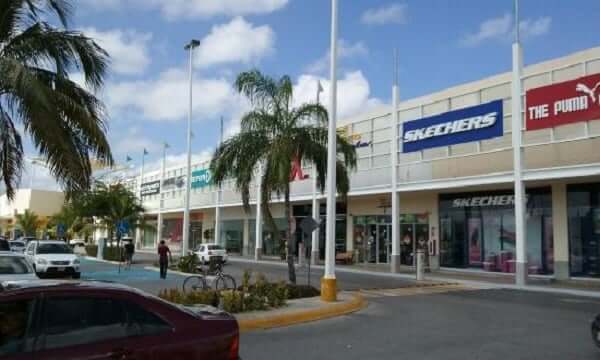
(441,43)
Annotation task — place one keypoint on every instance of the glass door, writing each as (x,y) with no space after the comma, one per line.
(371,246)
(407,244)
(384,233)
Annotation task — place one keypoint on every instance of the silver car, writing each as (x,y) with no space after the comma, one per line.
(14,266)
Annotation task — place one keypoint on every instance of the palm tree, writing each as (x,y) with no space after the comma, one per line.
(110,205)
(275,135)
(74,222)
(65,121)
(28,222)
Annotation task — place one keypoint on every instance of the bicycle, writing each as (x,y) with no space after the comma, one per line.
(222,281)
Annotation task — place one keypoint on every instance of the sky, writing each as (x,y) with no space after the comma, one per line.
(441,43)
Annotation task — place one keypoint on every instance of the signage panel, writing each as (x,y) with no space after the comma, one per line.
(564,103)
(474,123)
(201,178)
(174,183)
(150,188)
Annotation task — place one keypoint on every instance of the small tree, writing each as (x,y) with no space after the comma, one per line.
(28,222)
(277,135)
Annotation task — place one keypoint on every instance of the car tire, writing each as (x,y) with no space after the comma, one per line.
(77,276)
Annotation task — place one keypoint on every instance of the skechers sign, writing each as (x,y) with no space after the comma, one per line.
(454,127)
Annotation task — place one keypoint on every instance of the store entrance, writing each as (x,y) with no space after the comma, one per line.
(412,237)
(379,243)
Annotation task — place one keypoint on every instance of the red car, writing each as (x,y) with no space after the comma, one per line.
(92,320)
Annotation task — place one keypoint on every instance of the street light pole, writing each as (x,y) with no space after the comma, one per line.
(328,283)
(160,200)
(188,183)
(314,256)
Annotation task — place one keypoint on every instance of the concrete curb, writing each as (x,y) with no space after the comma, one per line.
(357,303)
(104,261)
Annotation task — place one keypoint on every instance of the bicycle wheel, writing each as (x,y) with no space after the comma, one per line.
(225,282)
(194,283)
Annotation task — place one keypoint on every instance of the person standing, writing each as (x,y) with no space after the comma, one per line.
(129,250)
(164,254)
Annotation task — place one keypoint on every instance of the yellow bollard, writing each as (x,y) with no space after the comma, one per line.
(328,290)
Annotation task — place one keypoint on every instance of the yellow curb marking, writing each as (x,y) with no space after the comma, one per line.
(358,302)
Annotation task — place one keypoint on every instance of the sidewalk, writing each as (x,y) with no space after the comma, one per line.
(539,283)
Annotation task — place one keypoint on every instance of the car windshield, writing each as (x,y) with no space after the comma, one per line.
(12,265)
(215,247)
(17,244)
(53,249)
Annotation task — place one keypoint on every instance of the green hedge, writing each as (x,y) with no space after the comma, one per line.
(91,250)
(112,254)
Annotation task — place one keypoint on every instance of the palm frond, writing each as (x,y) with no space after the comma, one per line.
(11,154)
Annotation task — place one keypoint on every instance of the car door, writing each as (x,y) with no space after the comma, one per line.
(94,326)
(17,327)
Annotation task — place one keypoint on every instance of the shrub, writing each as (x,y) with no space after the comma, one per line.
(277,295)
(113,253)
(188,263)
(91,250)
(295,291)
(205,297)
(231,301)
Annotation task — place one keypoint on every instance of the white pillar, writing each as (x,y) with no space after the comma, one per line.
(314,255)
(520,199)
(259,227)
(560,231)
(395,257)
(218,222)
(328,284)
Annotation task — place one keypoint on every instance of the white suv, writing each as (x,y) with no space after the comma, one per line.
(52,258)
(206,252)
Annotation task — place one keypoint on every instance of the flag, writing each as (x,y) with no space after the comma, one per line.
(145,151)
(319,87)
(128,158)
(166,145)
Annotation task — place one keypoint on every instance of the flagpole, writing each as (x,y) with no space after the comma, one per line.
(219,198)
(138,232)
(395,257)
(160,191)
(517,125)
(188,180)
(328,283)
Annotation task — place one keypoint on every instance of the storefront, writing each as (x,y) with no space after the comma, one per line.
(584,229)
(477,230)
(149,234)
(232,234)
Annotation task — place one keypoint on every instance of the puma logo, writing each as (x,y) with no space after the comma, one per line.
(590,92)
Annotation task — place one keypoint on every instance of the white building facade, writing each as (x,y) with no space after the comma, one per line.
(454,179)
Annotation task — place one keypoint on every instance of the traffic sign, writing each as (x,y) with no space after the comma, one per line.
(308,225)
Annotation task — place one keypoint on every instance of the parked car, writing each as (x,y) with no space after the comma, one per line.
(26,239)
(78,246)
(208,252)
(91,320)
(17,246)
(596,330)
(51,257)
(14,266)
(4,245)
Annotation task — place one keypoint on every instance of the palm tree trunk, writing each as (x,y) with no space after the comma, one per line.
(290,243)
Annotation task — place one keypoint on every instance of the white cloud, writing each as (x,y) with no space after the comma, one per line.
(135,142)
(128,49)
(354,93)
(165,98)
(172,160)
(390,14)
(502,28)
(346,50)
(236,41)
(176,9)
(190,9)
(42,179)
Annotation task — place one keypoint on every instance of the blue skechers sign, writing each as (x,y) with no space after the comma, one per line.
(474,123)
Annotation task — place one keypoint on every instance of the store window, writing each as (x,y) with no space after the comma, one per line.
(477,230)
(172,233)
(149,238)
(232,233)
(584,229)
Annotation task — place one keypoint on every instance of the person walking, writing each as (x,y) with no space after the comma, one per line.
(164,254)
(129,250)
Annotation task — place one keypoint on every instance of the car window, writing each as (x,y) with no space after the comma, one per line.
(144,322)
(54,249)
(15,317)
(30,248)
(4,246)
(202,248)
(215,247)
(12,265)
(82,320)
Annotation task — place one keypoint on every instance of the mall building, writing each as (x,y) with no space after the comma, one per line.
(455,180)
